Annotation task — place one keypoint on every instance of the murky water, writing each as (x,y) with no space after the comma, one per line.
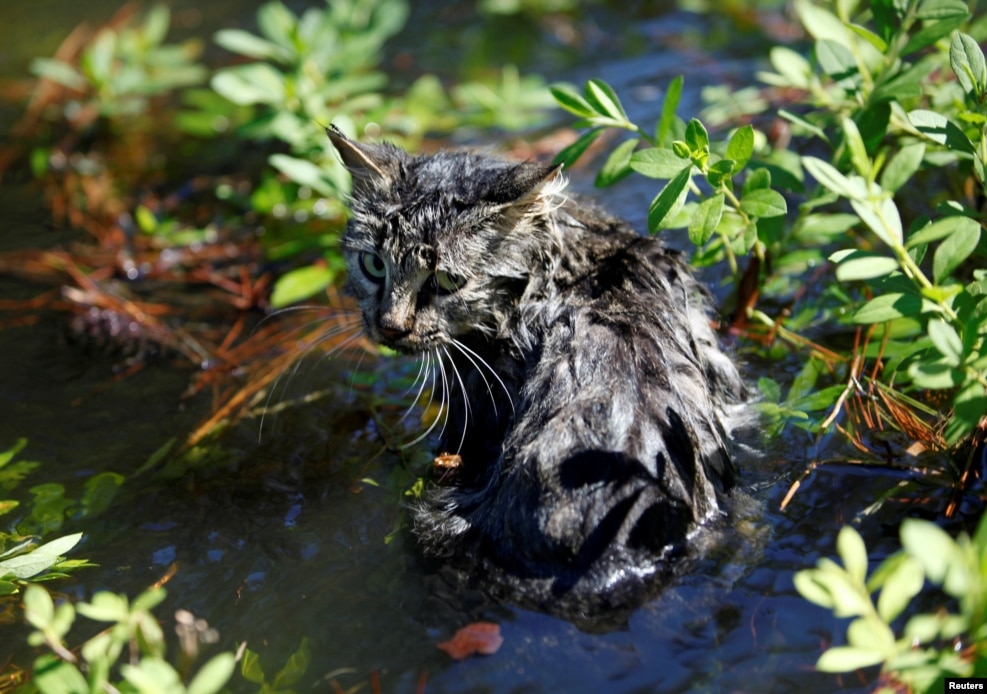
(282,536)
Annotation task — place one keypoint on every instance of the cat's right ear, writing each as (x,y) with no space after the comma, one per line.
(361,160)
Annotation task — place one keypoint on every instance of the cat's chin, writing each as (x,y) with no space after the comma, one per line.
(412,349)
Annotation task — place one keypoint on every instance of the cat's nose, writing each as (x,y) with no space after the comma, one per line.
(393,333)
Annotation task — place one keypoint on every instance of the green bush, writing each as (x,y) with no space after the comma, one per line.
(929,646)
(870,90)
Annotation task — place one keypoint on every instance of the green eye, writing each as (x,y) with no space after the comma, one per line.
(447,282)
(373,266)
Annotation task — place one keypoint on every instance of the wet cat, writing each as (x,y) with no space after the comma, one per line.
(585,391)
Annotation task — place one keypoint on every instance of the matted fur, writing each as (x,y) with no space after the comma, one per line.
(586,392)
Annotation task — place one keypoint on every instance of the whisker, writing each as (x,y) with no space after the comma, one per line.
(446,403)
(466,402)
(424,364)
(467,352)
(476,366)
(354,316)
(288,375)
(431,397)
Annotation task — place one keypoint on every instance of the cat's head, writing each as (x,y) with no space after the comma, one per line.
(443,245)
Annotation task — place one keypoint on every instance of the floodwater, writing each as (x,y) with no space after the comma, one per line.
(294,530)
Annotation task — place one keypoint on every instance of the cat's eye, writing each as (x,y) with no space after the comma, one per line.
(373,266)
(448,282)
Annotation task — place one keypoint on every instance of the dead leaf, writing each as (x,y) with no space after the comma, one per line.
(478,637)
(448,461)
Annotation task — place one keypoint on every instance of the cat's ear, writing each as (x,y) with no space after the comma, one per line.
(522,183)
(364,162)
(528,188)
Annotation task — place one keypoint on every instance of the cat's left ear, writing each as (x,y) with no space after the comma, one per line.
(524,182)
(363,161)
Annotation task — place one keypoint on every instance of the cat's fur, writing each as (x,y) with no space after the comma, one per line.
(587,391)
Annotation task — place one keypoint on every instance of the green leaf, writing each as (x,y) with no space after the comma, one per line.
(55,676)
(769,389)
(156,25)
(719,172)
(969,406)
(852,551)
(705,219)
(604,100)
(830,178)
(956,248)
(9,454)
(569,99)
(105,607)
(942,9)
(697,138)
(301,283)
(214,675)
(671,102)
(764,202)
(99,492)
(967,60)
(821,23)
(924,628)
(858,151)
(888,307)
(942,228)
(617,165)
(934,375)
(148,600)
(859,265)
(869,36)
(657,162)
(946,340)
(933,31)
(930,545)
(882,217)
(849,597)
(97,60)
(838,62)
(939,128)
(60,72)
(811,589)
(847,659)
(303,172)
(870,633)
(741,147)
(8,587)
(245,43)
(803,124)
(250,667)
(570,154)
(39,559)
(152,676)
(277,23)
(758,179)
(257,83)
(39,608)
(903,584)
(296,666)
(669,200)
(793,67)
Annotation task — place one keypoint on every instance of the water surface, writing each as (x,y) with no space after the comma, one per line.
(294,529)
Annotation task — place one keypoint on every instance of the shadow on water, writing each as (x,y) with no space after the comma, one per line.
(298,532)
